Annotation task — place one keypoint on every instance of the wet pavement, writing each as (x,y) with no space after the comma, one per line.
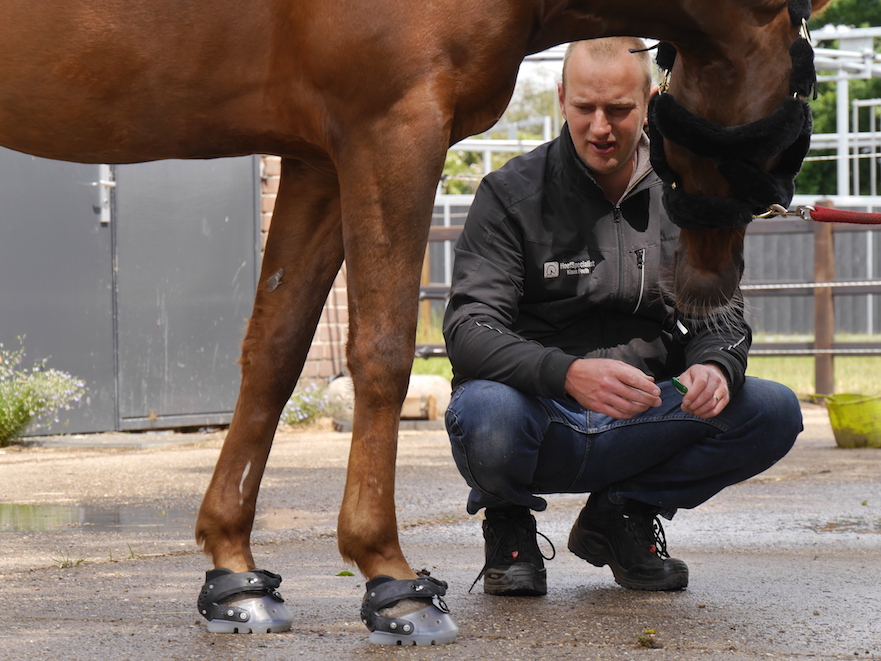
(97,559)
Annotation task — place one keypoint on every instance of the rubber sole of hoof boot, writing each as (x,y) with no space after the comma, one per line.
(431,626)
(519,580)
(266,615)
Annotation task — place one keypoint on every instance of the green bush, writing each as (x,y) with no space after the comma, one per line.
(29,398)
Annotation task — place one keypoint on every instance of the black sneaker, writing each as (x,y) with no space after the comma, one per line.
(514,564)
(632,543)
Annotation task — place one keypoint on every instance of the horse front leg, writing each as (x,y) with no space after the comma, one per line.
(303,254)
(387,191)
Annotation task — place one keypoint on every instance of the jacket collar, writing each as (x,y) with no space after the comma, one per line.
(573,164)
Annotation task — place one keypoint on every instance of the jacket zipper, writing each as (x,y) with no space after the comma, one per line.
(619,235)
(640,264)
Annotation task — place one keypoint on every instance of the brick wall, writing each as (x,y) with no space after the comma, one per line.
(327,357)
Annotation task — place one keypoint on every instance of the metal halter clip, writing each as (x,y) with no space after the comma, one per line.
(783,212)
(665,82)
(804,32)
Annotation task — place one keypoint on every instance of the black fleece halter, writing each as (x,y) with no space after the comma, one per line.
(786,131)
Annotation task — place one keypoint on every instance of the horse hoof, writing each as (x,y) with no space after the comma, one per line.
(246,602)
(429,625)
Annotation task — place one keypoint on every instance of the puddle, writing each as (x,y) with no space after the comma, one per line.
(42,518)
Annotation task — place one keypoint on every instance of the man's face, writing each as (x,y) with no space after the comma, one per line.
(604,101)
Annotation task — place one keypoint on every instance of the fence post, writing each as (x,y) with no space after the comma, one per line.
(425,305)
(824,310)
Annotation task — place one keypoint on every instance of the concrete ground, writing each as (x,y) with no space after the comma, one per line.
(97,559)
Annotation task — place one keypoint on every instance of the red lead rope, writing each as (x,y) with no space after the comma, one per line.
(827,215)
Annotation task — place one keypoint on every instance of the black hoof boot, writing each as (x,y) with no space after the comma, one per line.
(247,602)
(427,623)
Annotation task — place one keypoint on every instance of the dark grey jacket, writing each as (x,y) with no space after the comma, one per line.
(547,270)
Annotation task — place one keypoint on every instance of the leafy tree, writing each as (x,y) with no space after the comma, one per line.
(462,170)
(532,101)
(856,13)
(819,177)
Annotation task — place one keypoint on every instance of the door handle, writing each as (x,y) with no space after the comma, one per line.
(103,187)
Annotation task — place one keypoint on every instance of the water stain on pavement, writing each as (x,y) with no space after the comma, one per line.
(125,518)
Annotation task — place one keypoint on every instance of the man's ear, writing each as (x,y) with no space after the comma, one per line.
(560,96)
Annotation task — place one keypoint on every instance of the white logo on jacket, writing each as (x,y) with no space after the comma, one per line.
(579,267)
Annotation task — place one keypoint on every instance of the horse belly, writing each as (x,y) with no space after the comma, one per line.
(152,81)
(142,80)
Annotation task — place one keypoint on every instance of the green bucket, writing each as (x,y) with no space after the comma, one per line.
(856,420)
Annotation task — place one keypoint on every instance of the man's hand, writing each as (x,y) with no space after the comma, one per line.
(707,390)
(611,387)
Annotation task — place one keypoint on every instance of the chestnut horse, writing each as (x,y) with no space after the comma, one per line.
(361,99)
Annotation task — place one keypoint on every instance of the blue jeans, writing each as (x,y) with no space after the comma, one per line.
(510,446)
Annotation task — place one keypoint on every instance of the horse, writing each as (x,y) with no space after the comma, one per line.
(362,99)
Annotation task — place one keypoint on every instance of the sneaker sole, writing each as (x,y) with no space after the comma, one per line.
(518,580)
(592,547)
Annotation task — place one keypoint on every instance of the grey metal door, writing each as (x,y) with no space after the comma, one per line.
(146,305)
(186,248)
(56,277)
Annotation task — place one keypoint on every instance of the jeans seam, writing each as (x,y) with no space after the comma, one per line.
(454,423)
(713,422)
(587,448)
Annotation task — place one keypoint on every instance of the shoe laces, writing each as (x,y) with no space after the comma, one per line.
(510,526)
(649,531)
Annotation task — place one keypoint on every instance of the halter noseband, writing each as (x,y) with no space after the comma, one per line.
(787,132)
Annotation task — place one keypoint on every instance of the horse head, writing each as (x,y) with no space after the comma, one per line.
(731,126)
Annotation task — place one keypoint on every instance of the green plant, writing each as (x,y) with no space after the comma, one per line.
(649,639)
(306,405)
(65,561)
(29,397)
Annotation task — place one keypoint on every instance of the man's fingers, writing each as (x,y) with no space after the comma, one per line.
(639,381)
(708,407)
(628,404)
(611,387)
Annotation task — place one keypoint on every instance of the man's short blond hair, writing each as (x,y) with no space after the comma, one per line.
(607,48)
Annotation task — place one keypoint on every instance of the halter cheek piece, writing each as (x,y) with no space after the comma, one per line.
(736,149)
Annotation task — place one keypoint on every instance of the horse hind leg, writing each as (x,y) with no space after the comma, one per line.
(303,255)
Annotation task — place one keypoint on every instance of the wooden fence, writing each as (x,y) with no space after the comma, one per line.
(824,288)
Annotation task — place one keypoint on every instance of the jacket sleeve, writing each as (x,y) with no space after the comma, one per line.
(726,344)
(487,285)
